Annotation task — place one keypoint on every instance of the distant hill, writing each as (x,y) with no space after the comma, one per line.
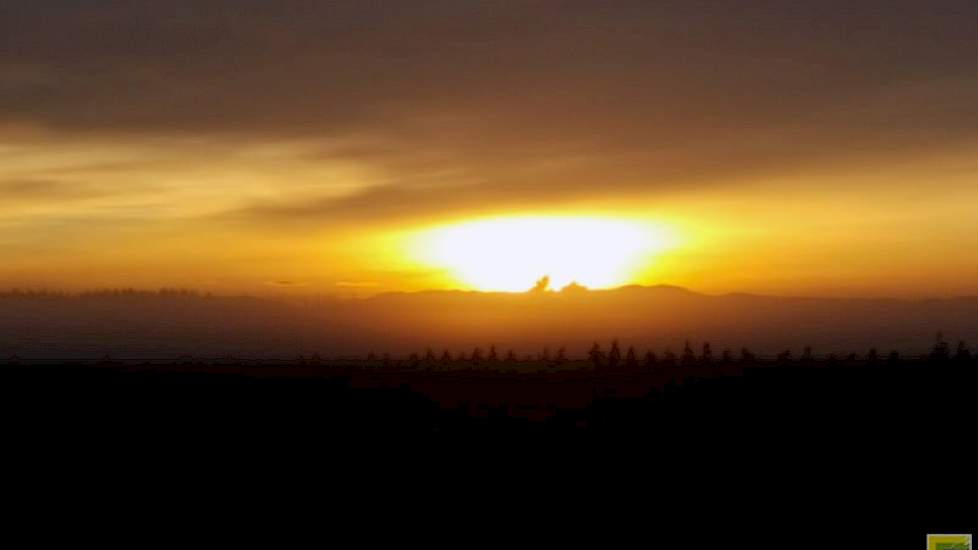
(657,317)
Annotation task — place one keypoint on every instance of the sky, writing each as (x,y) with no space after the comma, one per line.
(822,148)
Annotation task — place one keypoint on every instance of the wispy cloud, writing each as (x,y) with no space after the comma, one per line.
(296,115)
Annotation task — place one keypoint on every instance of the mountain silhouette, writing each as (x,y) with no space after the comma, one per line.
(657,317)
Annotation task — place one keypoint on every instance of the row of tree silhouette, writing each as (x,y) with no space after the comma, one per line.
(164,292)
(614,357)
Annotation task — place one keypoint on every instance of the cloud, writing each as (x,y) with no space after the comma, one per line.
(308,68)
(43,190)
(458,107)
(285,283)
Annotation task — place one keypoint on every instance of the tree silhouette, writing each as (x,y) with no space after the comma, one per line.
(962,353)
(492,357)
(631,361)
(595,355)
(707,356)
(614,354)
(650,359)
(941,349)
(689,358)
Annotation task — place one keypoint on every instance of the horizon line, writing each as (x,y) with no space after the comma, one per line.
(576,290)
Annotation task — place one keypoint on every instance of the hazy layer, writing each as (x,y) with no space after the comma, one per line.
(659,318)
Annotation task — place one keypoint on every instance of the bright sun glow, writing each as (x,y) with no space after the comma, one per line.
(511,253)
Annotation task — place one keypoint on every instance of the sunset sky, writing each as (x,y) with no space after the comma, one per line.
(822,148)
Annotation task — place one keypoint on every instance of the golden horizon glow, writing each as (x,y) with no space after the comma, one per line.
(511,253)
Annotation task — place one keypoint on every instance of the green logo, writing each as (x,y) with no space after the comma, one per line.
(948,542)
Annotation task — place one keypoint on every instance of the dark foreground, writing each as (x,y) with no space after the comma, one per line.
(311,402)
(846,438)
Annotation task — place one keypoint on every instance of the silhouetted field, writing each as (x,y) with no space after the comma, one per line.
(460,397)
(893,428)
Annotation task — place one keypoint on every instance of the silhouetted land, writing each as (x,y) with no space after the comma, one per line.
(895,428)
(700,430)
(921,398)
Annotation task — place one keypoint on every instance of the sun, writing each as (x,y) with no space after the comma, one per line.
(512,253)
